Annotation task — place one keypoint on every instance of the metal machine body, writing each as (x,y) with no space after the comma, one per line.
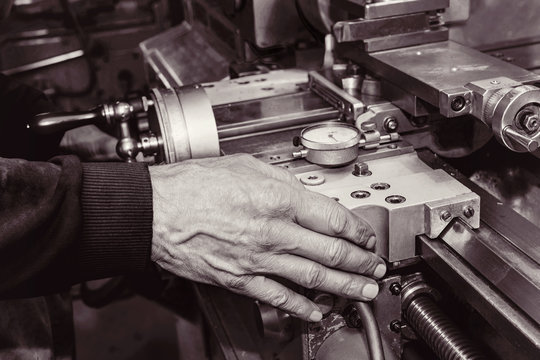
(463,268)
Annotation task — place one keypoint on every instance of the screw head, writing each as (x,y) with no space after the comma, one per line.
(395,326)
(312,179)
(390,124)
(446,216)
(458,103)
(468,212)
(360,194)
(395,288)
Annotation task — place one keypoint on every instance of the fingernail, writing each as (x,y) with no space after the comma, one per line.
(370,291)
(380,270)
(371,242)
(315,316)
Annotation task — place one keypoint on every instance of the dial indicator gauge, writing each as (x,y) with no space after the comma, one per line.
(330,144)
(330,136)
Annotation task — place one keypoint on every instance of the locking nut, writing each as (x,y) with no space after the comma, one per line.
(530,123)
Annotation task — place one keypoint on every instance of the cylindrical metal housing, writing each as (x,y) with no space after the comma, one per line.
(184,123)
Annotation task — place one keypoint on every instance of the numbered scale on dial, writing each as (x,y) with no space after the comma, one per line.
(330,144)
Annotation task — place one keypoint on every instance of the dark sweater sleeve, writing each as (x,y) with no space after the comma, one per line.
(63,222)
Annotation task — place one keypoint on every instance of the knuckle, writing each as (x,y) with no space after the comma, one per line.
(362,232)
(349,287)
(252,260)
(337,253)
(369,263)
(236,283)
(315,277)
(268,242)
(337,221)
(280,299)
(352,287)
(277,196)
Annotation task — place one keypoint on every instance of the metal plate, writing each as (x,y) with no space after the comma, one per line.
(396,222)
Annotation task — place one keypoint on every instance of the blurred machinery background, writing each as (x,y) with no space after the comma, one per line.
(423,116)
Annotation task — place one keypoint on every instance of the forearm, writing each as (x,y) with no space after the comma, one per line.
(63,222)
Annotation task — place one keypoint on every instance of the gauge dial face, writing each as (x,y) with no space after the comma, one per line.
(330,134)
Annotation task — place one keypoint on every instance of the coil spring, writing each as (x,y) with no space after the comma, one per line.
(439,332)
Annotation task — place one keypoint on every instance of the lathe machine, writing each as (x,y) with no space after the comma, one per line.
(422,116)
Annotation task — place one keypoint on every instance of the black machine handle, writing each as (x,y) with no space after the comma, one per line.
(108,114)
(49,123)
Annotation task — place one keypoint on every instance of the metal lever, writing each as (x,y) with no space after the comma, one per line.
(49,123)
(117,114)
(530,144)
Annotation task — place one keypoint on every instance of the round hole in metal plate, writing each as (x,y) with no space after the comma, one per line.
(360,194)
(395,199)
(243,82)
(267,88)
(380,186)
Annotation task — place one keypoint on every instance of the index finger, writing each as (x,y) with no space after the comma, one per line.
(326,216)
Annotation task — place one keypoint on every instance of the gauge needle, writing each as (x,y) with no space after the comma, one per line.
(332,137)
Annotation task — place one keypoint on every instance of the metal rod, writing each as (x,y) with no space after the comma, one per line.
(268,124)
(371,327)
(44,63)
(438,331)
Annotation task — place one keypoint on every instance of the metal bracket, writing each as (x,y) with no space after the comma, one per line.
(346,104)
(438,214)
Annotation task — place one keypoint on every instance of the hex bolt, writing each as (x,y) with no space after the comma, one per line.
(530,122)
(468,212)
(395,288)
(446,216)
(396,326)
(458,103)
(361,169)
(390,124)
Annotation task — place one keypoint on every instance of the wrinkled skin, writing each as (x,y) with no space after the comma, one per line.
(238,223)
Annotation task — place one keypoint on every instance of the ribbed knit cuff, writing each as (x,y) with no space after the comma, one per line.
(117,219)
